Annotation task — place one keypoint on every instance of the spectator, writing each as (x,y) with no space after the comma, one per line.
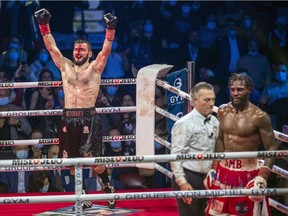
(115,147)
(109,97)
(14,53)
(227,52)
(43,61)
(128,125)
(62,180)
(21,23)
(278,41)
(39,96)
(40,181)
(209,32)
(139,54)
(249,30)
(12,127)
(117,63)
(152,37)
(3,76)
(257,65)
(274,98)
(37,149)
(193,52)
(47,124)
(17,182)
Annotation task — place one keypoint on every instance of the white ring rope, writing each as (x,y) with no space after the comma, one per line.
(100,110)
(41,84)
(36,168)
(279,206)
(280,171)
(162,141)
(166,113)
(145,195)
(48,141)
(142,159)
(163,170)
(55,141)
(173,89)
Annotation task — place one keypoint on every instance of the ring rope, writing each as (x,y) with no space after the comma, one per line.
(55,141)
(279,206)
(36,168)
(53,112)
(163,170)
(172,89)
(166,114)
(145,195)
(280,171)
(41,84)
(162,141)
(143,158)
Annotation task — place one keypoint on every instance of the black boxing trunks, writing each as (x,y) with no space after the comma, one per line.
(80,133)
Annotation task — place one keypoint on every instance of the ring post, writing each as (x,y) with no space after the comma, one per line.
(78,189)
(145,109)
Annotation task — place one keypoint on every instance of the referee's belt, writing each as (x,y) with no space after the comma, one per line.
(79,112)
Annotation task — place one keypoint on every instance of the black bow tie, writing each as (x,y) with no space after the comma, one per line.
(207,119)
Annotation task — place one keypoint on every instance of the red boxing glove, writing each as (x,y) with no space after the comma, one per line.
(209,180)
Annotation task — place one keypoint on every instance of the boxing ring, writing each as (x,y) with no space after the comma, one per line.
(145,156)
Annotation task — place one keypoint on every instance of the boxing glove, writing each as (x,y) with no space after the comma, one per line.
(110,21)
(43,18)
(257,183)
(209,180)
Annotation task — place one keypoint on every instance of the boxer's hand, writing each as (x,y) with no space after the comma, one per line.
(257,183)
(209,180)
(110,21)
(42,16)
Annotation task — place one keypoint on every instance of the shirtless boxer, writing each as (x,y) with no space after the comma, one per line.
(80,132)
(243,126)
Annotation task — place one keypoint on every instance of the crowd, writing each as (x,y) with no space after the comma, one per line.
(222,38)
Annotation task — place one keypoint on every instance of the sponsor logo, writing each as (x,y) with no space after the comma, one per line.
(111,110)
(3,85)
(48,141)
(272,154)
(7,143)
(50,83)
(37,162)
(120,159)
(85,130)
(118,138)
(16,200)
(201,156)
(118,81)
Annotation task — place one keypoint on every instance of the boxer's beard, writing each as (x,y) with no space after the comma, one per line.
(242,102)
(81,62)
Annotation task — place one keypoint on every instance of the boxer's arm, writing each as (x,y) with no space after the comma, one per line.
(110,23)
(43,18)
(55,53)
(269,142)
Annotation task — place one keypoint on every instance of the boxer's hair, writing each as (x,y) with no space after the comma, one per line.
(201,85)
(243,78)
(84,41)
